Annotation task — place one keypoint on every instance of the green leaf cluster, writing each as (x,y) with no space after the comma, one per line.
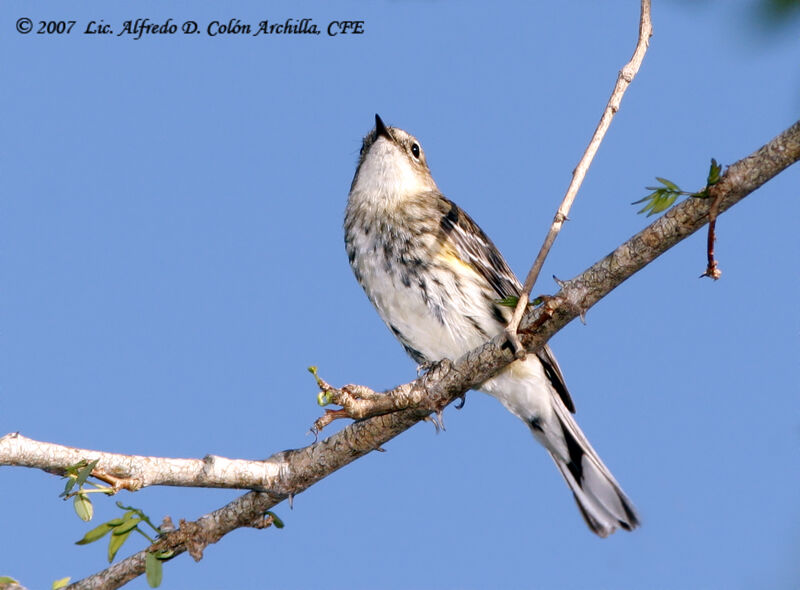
(120,530)
(663,197)
(77,476)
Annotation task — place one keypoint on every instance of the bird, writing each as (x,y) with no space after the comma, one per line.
(437,281)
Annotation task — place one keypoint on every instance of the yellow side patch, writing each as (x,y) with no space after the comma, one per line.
(450,258)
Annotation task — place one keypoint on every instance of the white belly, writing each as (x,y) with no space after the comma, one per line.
(442,320)
(447,321)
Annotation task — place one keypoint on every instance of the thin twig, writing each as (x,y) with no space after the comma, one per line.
(712,270)
(624,79)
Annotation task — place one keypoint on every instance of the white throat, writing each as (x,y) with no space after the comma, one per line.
(387,175)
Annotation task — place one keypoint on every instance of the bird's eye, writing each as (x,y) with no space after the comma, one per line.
(415,150)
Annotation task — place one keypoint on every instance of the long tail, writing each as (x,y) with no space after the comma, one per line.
(604,505)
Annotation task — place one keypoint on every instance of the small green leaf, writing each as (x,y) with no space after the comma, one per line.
(62,583)
(714,173)
(659,201)
(323,398)
(69,485)
(661,198)
(7,580)
(165,554)
(73,469)
(131,510)
(115,542)
(117,521)
(662,204)
(95,534)
(154,569)
(510,301)
(83,507)
(714,176)
(313,371)
(649,197)
(275,520)
(126,526)
(84,473)
(668,184)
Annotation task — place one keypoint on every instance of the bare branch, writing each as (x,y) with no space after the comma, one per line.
(624,79)
(133,472)
(301,468)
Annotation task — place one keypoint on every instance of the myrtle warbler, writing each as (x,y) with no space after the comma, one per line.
(436,280)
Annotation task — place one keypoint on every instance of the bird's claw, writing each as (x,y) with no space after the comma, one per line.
(437,419)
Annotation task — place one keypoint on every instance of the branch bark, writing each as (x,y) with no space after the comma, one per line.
(290,472)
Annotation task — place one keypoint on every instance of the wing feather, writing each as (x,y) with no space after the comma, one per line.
(475,248)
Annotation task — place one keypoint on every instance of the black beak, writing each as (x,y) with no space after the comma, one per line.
(381,130)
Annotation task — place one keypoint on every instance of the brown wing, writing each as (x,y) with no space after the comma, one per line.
(475,248)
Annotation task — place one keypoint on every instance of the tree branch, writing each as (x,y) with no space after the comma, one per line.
(133,472)
(624,79)
(296,470)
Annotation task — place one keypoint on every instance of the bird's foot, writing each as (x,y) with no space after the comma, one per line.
(424,367)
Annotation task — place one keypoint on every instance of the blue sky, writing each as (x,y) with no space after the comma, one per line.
(172,261)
